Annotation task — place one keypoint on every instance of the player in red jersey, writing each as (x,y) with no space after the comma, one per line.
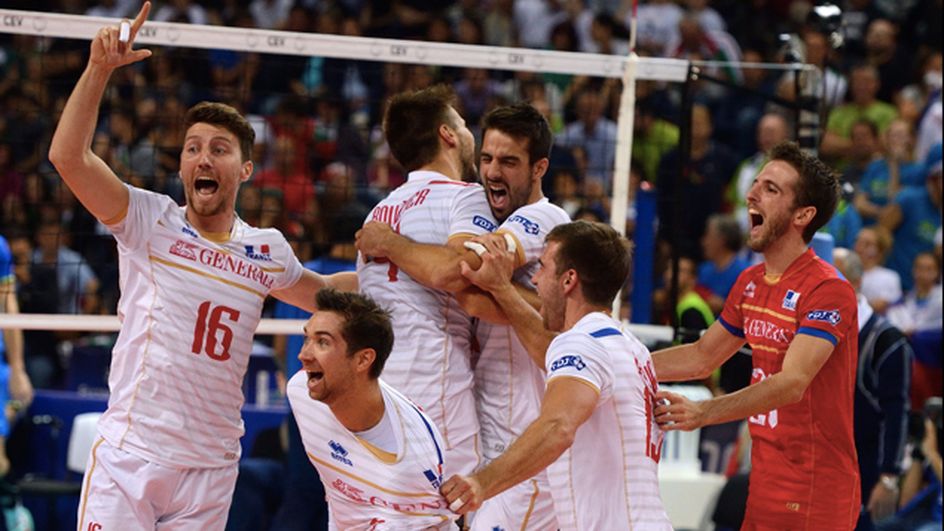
(800,319)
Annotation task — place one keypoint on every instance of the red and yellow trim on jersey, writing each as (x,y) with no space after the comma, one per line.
(768,311)
(195,271)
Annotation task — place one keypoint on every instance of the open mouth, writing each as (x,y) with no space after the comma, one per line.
(315,376)
(497,195)
(205,186)
(757,219)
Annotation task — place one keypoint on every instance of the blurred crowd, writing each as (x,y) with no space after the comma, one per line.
(321,162)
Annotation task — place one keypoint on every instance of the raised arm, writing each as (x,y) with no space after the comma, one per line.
(91,180)
(568,403)
(302,293)
(434,266)
(695,361)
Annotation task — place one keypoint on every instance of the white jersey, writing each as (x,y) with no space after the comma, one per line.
(189,308)
(431,358)
(509,386)
(366,487)
(608,478)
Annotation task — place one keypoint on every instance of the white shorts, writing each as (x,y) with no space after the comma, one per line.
(122,491)
(527,505)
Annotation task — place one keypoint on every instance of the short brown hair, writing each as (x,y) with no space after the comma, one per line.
(366,324)
(222,115)
(411,124)
(818,186)
(600,256)
(522,121)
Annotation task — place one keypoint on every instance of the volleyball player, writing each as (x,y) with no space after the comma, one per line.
(596,433)
(193,280)
(516,144)
(379,456)
(430,362)
(800,318)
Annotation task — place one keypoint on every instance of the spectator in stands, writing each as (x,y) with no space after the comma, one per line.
(864,87)
(721,246)
(913,217)
(866,146)
(38,292)
(889,59)
(534,20)
(112,8)
(186,11)
(270,14)
(657,23)
(477,93)
(739,111)
(919,315)
(772,129)
(914,99)
(699,43)
(688,198)
(691,310)
(881,400)
(880,286)
(297,187)
(885,177)
(78,285)
(593,132)
(846,222)
(653,138)
(832,86)
(608,35)
(498,27)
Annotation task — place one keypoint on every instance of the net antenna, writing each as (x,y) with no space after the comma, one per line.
(619,203)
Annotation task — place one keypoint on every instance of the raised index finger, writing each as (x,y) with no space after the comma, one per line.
(139,20)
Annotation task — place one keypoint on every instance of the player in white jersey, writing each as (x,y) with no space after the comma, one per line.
(431,358)
(380,458)
(516,143)
(193,280)
(596,432)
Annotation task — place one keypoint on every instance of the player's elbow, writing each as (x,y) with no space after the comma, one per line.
(792,389)
(447,279)
(560,436)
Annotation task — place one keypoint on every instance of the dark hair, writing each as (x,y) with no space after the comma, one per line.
(522,121)
(222,115)
(366,324)
(729,229)
(818,186)
(411,124)
(599,255)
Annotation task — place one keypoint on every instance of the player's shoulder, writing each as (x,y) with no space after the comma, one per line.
(542,211)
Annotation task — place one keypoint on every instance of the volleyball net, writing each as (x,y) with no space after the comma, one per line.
(316,100)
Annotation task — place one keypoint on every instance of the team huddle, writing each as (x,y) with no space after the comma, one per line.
(471,367)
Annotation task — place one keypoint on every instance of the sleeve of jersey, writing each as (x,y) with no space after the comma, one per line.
(293,268)
(530,225)
(579,356)
(731,318)
(470,212)
(144,209)
(829,311)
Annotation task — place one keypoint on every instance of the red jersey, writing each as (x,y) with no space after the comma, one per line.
(804,470)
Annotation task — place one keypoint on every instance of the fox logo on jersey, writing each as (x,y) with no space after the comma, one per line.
(485,223)
(828,316)
(530,227)
(263,253)
(184,250)
(568,361)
